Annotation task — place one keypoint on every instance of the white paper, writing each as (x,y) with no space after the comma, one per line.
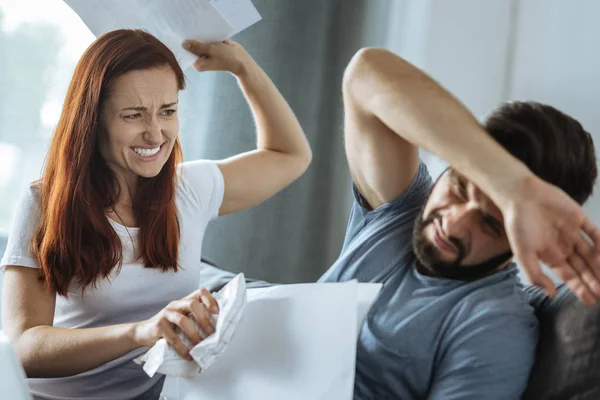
(164,359)
(294,342)
(239,13)
(12,377)
(170,21)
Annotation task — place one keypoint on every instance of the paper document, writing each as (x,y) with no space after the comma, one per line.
(293,342)
(239,13)
(170,21)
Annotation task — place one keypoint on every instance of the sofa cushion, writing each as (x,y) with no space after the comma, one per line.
(567,362)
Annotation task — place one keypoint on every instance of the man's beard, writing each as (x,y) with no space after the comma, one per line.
(429,257)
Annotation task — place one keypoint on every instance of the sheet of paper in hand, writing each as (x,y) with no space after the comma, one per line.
(170,21)
(240,14)
(293,342)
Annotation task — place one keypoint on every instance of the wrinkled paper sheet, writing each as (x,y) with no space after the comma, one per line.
(163,358)
(293,342)
(171,21)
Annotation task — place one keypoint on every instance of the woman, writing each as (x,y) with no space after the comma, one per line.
(103,257)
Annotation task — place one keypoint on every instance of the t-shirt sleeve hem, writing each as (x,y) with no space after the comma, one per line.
(20,261)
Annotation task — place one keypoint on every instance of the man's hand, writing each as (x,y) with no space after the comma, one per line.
(544,224)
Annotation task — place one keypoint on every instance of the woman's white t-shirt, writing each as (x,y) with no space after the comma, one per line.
(134,294)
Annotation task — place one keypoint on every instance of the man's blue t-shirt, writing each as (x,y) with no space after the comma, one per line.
(427,337)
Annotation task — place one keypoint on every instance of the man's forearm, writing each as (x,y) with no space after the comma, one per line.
(418,109)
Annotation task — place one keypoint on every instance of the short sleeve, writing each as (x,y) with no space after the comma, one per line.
(203,185)
(25,221)
(488,357)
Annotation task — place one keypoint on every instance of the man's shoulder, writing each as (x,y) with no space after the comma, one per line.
(497,305)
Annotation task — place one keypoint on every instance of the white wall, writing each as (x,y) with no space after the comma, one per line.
(463,44)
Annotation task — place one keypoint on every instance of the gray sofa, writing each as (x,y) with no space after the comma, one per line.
(567,363)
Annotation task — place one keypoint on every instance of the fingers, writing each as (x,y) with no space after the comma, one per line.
(203,51)
(580,279)
(553,255)
(197,304)
(202,64)
(179,314)
(590,252)
(536,276)
(592,231)
(575,271)
(208,63)
(185,325)
(582,293)
(204,296)
(572,270)
(209,301)
(197,48)
(202,316)
(171,337)
(586,252)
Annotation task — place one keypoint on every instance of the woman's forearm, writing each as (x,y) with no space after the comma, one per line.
(49,352)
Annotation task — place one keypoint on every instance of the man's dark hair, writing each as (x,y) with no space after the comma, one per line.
(552,144)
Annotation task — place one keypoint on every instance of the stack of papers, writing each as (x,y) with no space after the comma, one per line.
(170,21)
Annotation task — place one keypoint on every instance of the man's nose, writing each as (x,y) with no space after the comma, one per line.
(459,221)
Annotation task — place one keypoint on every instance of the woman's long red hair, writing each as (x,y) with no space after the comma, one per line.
(74,240)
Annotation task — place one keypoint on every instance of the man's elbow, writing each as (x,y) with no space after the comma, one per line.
(357,67)
(366,70)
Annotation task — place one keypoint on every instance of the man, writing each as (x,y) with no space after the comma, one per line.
(451,321)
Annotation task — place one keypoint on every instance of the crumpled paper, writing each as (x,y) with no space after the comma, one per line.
(162,358)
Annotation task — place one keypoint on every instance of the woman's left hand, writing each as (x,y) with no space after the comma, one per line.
(223,56)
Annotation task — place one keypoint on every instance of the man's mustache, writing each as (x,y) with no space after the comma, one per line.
(434,216)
